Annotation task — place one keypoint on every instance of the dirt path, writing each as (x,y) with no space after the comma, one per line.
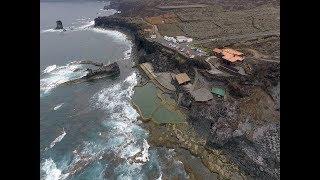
(249,36)
(257,55)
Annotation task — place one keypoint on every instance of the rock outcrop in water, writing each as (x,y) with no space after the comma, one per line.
(59,25)
(106,7)
(108,70)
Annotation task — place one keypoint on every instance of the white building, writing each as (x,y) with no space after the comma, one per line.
(182,39)
(170,39)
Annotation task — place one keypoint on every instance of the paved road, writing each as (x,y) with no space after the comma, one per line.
(183,6)
(187,51)
(269,60)
(250,36)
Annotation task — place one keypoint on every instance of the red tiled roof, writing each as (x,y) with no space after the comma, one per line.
(229,54)
(232,51)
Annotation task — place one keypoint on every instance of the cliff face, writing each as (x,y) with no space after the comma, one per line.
(160,57)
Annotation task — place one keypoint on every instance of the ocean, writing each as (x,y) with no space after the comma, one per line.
(89,130)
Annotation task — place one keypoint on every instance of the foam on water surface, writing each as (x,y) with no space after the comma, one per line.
(88,25)
(58,139)
(58,106)
(50,68)
(126,139)
(51,172)
(55,75)
(127,53)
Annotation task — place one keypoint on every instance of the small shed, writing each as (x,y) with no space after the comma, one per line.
(201,95)
(218,91)
(182,78)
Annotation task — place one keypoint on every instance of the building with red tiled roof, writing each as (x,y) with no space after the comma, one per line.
(229,55)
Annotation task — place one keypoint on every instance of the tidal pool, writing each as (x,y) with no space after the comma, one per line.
(154,105)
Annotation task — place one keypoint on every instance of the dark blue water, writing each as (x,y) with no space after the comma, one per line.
(89,130)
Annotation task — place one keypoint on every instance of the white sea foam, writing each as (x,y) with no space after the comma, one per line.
(51,172)
(116,35)
(87,25)
(115,96)
(160,177)
(51,30)
(145,154)
(58,106)
(50,68)
(126,139)
(128,171)
(127,53)
(59,75)
(58,139)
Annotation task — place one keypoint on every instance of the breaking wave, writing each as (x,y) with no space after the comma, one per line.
(89,26)
(58,139)
(116,35)
(51,30)
(51,172)
(56,75)
(58,106)
(85,26)
(127,53)
(49,69)
(126,140)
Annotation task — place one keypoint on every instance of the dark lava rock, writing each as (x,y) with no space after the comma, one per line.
(185,101)
(59,25)
(199,63)
(110,70)
(203,115)
(106,7)
(160,62)
(255,148)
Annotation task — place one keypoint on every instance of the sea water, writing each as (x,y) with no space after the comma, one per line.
(89,130)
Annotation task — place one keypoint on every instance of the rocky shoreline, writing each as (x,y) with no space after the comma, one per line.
(236,138)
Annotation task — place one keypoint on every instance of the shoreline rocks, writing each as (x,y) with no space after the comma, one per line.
(59,25)
(109,70)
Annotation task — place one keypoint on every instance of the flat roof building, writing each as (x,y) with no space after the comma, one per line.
(183,39)
(182,78)
(201,95)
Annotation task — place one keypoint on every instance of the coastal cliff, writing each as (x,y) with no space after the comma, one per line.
(245,130)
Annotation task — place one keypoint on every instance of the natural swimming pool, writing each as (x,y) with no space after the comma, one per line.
(154,105)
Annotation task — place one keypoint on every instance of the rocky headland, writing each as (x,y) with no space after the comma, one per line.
(237,136)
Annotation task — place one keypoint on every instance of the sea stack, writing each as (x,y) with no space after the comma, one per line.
(59,25)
